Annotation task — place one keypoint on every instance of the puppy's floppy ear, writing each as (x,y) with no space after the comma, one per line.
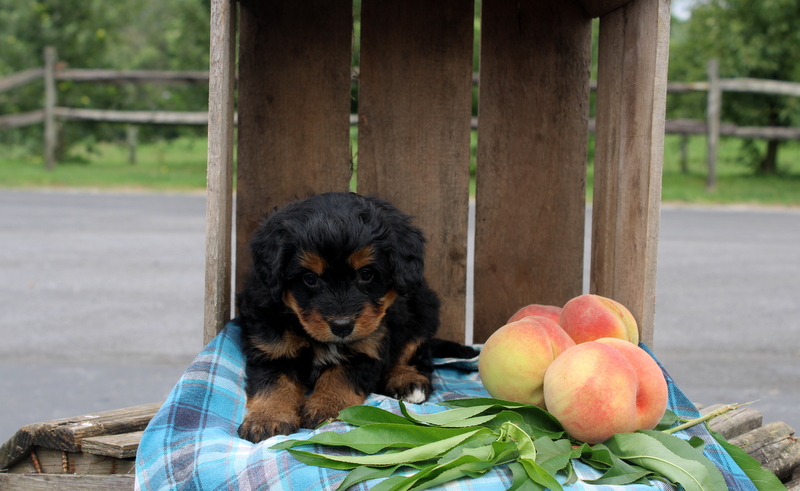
(268,250)
(407,254)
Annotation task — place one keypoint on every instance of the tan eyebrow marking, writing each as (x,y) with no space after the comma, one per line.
(313,262)
(362,257)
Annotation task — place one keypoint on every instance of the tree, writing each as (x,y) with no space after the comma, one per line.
(750,38)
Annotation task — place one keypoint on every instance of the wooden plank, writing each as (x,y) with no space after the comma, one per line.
(294,108)
(596,8)
(734,423)
(219,177)
(414,130)
(629,143)
(67,433)
(774,446)
(48,461)
(120,446)
(66,482)
(20,78)
(532,151)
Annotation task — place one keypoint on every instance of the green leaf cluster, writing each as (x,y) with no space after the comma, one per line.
(472,436)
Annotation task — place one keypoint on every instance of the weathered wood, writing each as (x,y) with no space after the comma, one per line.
(65,482)
(67,433)
(774,446)
(415,98)
(532,150)
(219,180)
(713,114)
(50,131)
(21,119)
(50,461)
(138,117)
(133,76)
(20,78)
(120,446)
(793,485)
(735,422)
(597,8)
(629,147)
(294,108)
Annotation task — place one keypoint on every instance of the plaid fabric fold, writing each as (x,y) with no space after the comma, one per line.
(192,442)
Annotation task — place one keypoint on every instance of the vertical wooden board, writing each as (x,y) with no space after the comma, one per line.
(414,130)
(294,108)
(219,181)
(631,105)
(532,151)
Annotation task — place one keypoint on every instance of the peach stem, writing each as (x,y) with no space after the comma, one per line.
(706,417)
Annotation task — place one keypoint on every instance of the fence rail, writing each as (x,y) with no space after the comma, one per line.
(712,127)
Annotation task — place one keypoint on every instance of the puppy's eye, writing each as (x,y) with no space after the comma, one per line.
(366,274)
(310,279)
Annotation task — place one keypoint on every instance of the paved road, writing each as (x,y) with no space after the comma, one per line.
(101,303)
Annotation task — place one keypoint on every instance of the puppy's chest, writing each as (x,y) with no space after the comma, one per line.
(328,354)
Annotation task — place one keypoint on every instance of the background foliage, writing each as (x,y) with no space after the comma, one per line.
(751,38)
(124,34)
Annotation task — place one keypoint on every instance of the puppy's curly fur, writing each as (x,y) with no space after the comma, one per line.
(335,308)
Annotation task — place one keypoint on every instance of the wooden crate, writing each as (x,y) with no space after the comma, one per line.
(415,91)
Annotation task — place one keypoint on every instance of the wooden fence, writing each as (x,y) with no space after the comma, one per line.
(712,127)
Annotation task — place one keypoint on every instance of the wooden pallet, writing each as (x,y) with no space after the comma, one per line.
(90,452)
(97,451)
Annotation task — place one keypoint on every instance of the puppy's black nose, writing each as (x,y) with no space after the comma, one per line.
(341,326)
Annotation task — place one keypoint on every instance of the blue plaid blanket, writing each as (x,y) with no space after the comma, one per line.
(192,442)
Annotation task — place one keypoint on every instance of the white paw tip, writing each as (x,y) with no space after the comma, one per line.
(417,396)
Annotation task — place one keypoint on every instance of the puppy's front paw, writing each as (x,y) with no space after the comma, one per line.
(256,429)
(412,387)
(314,415)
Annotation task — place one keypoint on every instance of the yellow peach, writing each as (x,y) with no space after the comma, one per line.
(550,311)
(599,388)
(514,359)
(589,317)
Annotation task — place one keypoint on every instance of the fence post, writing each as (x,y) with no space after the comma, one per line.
(50,132)
(713,110)
(131,140)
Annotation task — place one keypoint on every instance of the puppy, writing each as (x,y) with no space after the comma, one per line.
(335,308)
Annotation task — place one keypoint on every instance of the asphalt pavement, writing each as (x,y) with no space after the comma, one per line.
(101,302)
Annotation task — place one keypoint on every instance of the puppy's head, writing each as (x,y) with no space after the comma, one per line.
(338,260)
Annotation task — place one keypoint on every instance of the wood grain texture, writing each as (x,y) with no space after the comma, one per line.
(532,151)
(294,108)
(66,482)
(629,145)
(219,180)
(596,8)
(121,446)
(414,130)
(67,433)
(51,461)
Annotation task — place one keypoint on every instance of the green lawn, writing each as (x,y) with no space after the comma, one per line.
(179,165)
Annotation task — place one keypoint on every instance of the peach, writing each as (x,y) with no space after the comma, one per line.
(589,317)
(550,311)
(599,388)
(514,359)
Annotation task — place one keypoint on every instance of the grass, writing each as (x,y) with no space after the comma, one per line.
(180,165)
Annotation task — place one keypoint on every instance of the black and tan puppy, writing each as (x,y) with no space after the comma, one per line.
(336,307)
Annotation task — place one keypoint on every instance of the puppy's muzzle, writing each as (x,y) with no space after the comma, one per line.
(341,326)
